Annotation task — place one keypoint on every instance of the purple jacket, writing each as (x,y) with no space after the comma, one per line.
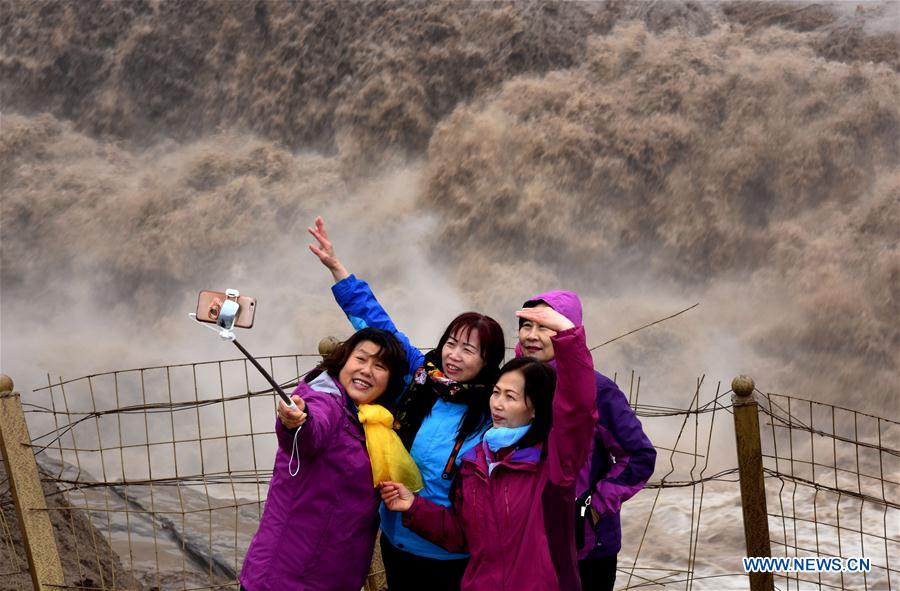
(318,528)
(622,457)
(518,522)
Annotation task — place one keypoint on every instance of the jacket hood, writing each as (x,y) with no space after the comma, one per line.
(566,303)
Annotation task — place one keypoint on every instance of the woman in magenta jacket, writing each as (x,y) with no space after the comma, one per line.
(520,482)
(622,459)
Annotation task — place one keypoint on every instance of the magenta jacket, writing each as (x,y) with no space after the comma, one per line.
(518,523)
(622,459)
(318,528)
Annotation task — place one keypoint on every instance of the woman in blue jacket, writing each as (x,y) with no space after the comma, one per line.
(440,417)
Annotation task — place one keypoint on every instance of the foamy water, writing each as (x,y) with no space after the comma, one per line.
(465,156)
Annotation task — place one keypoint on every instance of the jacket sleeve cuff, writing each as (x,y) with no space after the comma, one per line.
(285,436)
(566,332)
(344,288)
(409,515)
(572,339)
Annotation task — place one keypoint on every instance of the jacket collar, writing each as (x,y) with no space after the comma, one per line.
(522,459)
(324,382)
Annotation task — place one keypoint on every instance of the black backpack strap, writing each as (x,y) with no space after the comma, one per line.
(582,507)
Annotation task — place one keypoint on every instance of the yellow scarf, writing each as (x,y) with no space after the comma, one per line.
(390,460)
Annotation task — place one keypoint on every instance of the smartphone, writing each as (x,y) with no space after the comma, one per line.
(210,303)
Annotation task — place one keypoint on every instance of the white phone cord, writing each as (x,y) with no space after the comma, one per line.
(294,452)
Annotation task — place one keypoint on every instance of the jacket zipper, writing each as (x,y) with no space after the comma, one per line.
(493,484)
(506,498)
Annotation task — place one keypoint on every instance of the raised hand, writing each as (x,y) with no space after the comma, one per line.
(396,496)
(545,316)
(290,418)
(325,250)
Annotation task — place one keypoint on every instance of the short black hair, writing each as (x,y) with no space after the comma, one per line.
(532,304)
(390,352)
(540,385)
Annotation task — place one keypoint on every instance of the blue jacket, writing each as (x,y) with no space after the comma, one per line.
(435,438)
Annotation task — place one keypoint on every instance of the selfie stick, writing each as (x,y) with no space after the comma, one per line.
(287,399)
(225,321)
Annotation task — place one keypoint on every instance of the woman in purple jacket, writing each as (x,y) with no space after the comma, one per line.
(517,487)
(621,461)
(318,528)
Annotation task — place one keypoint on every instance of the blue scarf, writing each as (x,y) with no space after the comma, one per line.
(496,438)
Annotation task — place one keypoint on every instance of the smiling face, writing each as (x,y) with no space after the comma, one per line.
(509,405)
(364,376)
(535,339)
(461,355)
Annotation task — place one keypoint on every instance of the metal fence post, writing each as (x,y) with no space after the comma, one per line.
(753,489)
(327,345)
(28,496)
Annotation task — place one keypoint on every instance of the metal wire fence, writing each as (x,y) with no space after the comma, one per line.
(161,474)
(13,566)
(171,463)
(834,490)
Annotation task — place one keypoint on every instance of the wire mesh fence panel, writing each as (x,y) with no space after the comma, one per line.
(171,464)
(14,575)
(161,475)
(672,531)
(833,487)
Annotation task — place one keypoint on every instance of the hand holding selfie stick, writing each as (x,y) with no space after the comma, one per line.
(225,314)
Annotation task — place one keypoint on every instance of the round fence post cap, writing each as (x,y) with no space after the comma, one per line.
(742,385)
(6,383)
(327,345)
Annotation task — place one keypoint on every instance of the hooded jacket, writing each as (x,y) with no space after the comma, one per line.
(622,457)
(318,528)
(518,520)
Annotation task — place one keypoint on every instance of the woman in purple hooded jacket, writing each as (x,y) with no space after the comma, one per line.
(318,528)
(621,461)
